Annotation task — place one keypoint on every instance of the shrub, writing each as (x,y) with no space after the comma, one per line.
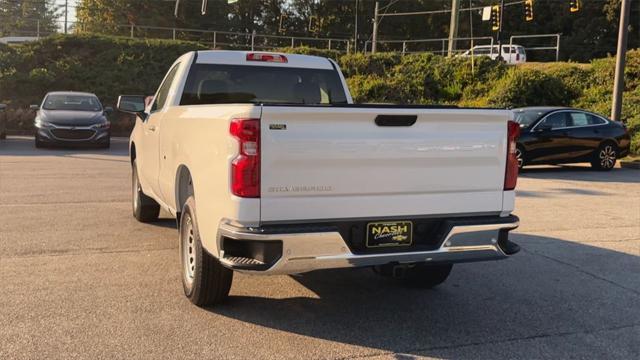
(524,87)
(361,64)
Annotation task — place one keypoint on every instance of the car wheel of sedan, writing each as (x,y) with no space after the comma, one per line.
(520,157)
(145,209)
(204,280)
(38,142)
(605,157)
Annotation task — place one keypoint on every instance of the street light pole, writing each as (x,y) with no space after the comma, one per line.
(618,85)
(374,38)
(500,30)
(66,11)
(453,27)
(355,31)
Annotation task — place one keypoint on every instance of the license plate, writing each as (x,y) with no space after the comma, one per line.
(390,233)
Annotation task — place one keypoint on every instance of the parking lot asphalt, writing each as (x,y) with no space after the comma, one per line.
(80,278)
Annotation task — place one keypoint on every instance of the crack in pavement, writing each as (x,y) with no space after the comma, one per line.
(82,253)
(495,342)
(583,271)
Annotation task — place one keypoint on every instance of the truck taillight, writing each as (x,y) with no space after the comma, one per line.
(511,173)
(245,168)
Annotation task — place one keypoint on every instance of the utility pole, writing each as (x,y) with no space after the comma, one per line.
(374,38)
(66,12)
(355,31)
(453,27)
(618,86)
(500,30)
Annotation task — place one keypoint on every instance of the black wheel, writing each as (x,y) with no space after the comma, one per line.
(426,276)
(145,209)
(520,157)
(204,280)
(106,144)
(604,159)
(38,142)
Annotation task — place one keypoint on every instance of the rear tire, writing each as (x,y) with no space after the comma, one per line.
(38,142)
(605,157)
(145,209)
(427,276)
(204,280)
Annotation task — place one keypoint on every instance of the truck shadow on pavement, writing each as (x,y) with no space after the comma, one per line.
(555,293)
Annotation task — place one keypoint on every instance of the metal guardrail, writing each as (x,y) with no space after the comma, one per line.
(239,39)
(535,48)
(442,42)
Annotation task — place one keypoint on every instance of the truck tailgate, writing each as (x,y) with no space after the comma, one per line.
(320,163)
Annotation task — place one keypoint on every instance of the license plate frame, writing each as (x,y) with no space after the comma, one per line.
(389,234)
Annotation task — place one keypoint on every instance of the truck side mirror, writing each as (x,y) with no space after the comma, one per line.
(132,104)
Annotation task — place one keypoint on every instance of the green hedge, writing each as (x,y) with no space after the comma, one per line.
(109,66)
(106,66)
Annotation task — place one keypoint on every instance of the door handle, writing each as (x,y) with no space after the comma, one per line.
(396,120)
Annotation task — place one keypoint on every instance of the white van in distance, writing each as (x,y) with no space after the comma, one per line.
(511,54)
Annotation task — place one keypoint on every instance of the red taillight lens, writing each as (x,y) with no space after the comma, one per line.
(245,168)
(511,173)
(266,57)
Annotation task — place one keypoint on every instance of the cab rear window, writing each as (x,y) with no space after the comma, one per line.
(224,84)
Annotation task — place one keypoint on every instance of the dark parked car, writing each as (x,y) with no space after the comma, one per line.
(556,135)
(3,122)
(69,118)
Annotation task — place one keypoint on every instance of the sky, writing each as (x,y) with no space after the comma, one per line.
(71,16)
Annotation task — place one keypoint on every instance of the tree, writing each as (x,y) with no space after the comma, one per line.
(27,17)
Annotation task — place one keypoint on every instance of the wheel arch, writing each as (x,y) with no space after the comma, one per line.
(132,152)
(183,188)
(612,141)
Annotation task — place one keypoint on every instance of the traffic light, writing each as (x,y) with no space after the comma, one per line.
(574,5)
(495,17)
(528,10)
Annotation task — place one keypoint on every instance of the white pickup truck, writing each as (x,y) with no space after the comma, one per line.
(270,168)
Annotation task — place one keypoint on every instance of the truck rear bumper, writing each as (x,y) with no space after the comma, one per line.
(256,251)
